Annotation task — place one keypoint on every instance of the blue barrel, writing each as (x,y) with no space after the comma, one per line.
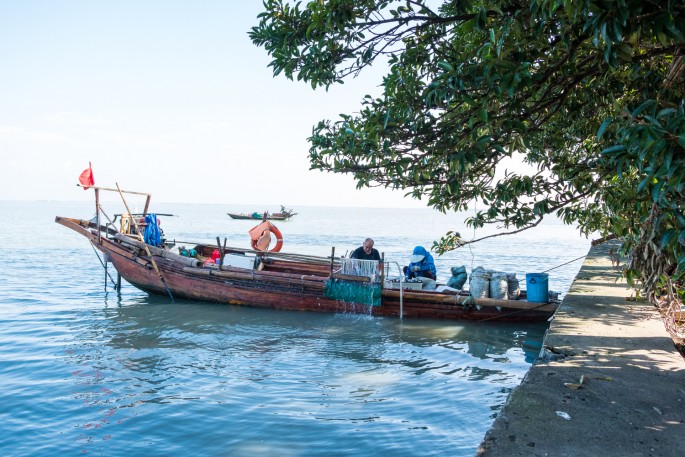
(537,287)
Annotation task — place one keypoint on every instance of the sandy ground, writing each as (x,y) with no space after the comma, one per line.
(610,383)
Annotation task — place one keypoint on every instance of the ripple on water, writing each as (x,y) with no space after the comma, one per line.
(87,370)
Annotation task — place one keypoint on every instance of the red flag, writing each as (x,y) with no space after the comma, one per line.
(86,179)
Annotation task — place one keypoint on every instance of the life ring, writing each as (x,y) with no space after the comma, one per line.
(260,237)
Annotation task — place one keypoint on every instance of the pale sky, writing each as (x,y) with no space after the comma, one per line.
(167,97)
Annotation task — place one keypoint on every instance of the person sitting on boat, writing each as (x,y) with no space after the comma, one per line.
(366,251)
(421,266)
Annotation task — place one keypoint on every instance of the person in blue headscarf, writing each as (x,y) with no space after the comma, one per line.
(422,265)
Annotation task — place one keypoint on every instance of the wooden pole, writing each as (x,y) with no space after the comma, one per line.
(222,251)
(117,190)
(154,264)
(218,247)
(97,215)
(332,258)
(147,203)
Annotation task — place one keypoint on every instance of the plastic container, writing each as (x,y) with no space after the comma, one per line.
(537,287)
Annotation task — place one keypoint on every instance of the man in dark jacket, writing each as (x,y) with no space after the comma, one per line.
(366,251)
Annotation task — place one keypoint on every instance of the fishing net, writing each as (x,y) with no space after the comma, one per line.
(353,292)
(358,267)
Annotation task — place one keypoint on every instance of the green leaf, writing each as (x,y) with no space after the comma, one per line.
(666,112)
(668,236)
(602,128)
(642,107)
(614,149)
(472,102)
(445,66)
(681,140)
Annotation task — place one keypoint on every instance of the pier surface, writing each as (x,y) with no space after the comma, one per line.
(611,382)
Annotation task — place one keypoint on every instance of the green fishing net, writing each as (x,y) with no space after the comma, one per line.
(353,292)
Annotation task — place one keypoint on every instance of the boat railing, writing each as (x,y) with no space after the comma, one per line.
(400,277)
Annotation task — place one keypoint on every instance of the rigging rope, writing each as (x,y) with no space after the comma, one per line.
(474,236)
(103,265)
(581,257)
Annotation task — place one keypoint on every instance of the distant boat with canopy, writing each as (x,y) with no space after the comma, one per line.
(282,215)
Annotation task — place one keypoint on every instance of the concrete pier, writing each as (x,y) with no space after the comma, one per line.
(611,382)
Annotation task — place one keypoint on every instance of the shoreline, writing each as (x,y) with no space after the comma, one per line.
(610,381)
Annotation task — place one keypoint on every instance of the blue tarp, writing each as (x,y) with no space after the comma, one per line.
(152,234)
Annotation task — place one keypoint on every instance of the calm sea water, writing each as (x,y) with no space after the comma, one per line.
(88,370)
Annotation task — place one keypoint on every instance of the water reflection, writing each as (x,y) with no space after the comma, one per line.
(141,358)
(153,344)
(151,321)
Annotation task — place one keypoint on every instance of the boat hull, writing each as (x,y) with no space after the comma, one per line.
(286,290)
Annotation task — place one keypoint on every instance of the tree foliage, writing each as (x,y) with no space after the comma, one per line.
(588,92)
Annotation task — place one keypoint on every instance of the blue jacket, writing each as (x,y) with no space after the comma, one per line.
(426,266)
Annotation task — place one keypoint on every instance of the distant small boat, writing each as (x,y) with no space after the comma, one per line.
(283,215)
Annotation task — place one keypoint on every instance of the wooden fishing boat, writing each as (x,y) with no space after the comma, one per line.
(283,215)
(277,280)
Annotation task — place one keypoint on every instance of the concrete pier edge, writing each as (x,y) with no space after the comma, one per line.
(610,383)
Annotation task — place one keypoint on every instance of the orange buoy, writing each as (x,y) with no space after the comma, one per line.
(260,236)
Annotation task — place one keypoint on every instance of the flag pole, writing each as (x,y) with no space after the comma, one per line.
(97,216)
